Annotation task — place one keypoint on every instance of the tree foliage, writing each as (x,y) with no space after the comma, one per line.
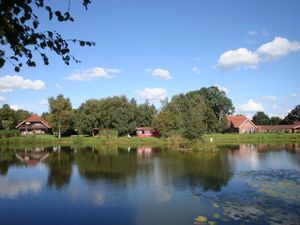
(216,100)
(113,113)
(260,118)
(293,115)
(60,114)
(10,118)
(275,120)
(20,31)
(187,114)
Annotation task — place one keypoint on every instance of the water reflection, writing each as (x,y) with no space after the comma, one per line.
(59,164)
(12,189)
(231,186)
(32,157)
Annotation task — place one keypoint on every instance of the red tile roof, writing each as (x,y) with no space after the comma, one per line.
(35,118)
(297,123)
(236,121)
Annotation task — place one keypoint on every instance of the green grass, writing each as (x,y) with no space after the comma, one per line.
(254,138)
(173,142)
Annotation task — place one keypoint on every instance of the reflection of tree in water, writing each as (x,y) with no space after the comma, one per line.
(7,159)
(60,167)
(106,165)
(208,171)
(4,165)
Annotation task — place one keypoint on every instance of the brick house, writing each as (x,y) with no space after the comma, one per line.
(240,124)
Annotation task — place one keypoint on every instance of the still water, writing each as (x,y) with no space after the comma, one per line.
(241,184)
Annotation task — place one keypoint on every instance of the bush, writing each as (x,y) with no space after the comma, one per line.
(9,133)
(106,133)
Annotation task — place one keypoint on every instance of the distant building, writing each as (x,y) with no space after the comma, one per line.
(146,132)
(240,124)
(286,128)
(34,125)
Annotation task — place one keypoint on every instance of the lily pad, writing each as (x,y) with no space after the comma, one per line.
(216,216)
(201,219)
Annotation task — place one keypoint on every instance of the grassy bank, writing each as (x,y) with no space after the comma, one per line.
(254,138)
(174,142)
(122,142)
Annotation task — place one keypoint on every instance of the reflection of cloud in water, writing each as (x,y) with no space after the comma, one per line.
(92,194)
(162,189)
(12,189)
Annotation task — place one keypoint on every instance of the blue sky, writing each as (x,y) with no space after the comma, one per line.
(156,49)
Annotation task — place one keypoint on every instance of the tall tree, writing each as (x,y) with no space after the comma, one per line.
(60,114)
(88,116)
(260,118)
(293,115)
(20,31)
(145,114)
(7,118)
(217,100)
(21,115)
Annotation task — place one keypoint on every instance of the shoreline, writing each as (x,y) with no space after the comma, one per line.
(206,142)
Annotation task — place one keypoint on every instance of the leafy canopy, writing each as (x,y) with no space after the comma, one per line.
(19,30)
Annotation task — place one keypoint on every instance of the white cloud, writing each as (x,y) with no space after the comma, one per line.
(92,74)
(195,70)
(225,89)
(153,95)
(160,73)
(233,59)
(270,97)
(12,189)
(252,106)
(278,48)
(2,99)
(274,106)
(243,57)
(9,83)
(15,107)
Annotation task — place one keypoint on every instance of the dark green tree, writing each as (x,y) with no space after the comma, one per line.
(88,116)
(21,115)
(293,115)
(275,120)
(60,114)
(20,32)
(145,114)
(260,118)
(7,118)
(168,119)
(217,100)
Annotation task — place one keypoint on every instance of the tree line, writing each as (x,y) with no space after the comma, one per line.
(261,118)
(189,115)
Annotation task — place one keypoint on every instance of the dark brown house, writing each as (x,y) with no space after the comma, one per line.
(34,125)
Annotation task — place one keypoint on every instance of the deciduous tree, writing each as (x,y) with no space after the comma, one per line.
(21,37)
(60,114)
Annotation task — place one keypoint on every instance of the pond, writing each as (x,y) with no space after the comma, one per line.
(240,184)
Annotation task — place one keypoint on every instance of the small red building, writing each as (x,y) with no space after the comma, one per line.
(146,132)
(34,125)
(240,124)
